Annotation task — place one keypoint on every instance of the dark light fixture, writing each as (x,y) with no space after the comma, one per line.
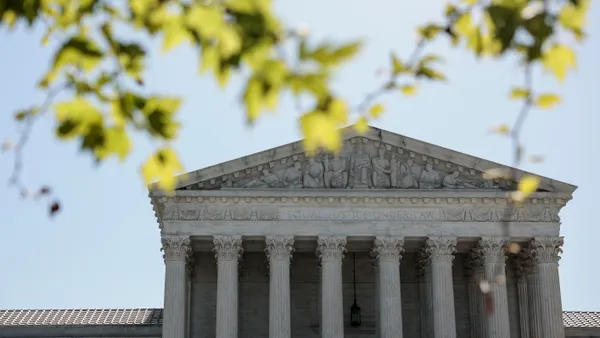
(354,309)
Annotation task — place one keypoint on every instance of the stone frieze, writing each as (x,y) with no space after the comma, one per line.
(398,214)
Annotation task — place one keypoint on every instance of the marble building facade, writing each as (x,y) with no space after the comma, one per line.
(280,245)
(259,246)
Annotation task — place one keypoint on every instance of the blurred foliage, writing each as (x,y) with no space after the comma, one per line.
(104,73)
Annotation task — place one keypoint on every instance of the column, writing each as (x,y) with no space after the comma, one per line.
(545,252)
(387,251)
(533,293)
(330,250)
(177,254)
(521,268)
(228,250)
(475,274)
(425,293)
(279,253)
(441,253)
(377,298)
(493,255)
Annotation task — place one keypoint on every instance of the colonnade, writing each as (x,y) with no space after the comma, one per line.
(538,285)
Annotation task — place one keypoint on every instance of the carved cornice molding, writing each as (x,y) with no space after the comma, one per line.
(176,248)
(279,248)
(227,248)
(466,213)
(492,249)
(331,248)
(388,249)
(546,249)
(441,249)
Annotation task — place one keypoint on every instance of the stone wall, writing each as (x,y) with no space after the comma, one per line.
(305,295)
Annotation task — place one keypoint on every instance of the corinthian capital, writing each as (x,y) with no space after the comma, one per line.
(227,247)
(176,248)
(492,249)
(331,248)
(388,248)
(279,248)
(473,263)
(546,249)
(441,248)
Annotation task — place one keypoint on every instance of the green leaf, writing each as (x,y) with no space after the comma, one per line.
(547,101)
(572,16)
(116,141)
(429,73)
(174,34)
(519,93)
(558,59)
(376,110)
(408,90)
(505,21)
(160,116)
(230,42)
(253,99)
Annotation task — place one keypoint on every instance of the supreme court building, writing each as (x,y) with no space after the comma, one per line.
(393,238)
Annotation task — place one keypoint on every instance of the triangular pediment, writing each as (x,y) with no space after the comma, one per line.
(377,159)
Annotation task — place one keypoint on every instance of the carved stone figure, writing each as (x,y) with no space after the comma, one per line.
(313,174)
(360,163)
(381,171)
(394,176)
(292,177)
(409,174)
(336,174)
(267,180)
(430,179)
(452,181)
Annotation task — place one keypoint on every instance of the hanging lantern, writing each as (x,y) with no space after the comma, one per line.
(355,320)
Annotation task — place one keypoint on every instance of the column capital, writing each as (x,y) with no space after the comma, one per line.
(279,248)
(331,248)
(546,249)
(473,263)
(176,248)
(523,264)
(422,261)
(227,247)
(492,249)
(441,248)
(388,248)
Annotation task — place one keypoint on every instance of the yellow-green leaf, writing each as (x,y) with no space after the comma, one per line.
(397,65)
(502,129)
(163,166)
(376,110)
(230,42)
(116,141)
(77,118)
(464,25)
(408,90)
(338,111)
(361,125)
(207,21)
(573,17)
(174,34)
(429,31)
(519,93)
(253,99)
(558,59)
(320,131)
(527,186)
(160,115)
(78,51)
(470,2)
(547,101)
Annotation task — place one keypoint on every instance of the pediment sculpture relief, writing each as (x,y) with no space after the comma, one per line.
(364,164)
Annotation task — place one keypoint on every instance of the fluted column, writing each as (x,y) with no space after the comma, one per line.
(330,250)
(533,293)
(227,252)
(521,268)
(493,255)
(387,251)
(475,274)
(545,252)
(441,252)
(425,293)
(177,254)
(279,253)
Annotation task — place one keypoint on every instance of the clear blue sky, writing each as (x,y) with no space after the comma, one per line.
(102,251)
